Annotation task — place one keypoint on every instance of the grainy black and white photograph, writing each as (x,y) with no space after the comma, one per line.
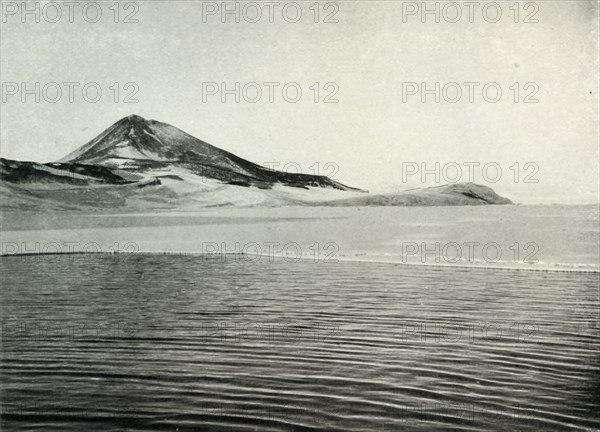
(309,215)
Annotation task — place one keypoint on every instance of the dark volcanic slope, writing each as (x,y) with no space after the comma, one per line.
(57,173)
(134,143)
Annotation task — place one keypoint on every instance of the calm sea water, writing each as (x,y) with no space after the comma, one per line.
(193,343)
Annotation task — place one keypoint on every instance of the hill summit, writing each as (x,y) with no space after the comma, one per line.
(136,144)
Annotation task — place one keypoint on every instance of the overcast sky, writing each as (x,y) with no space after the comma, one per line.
(369,54)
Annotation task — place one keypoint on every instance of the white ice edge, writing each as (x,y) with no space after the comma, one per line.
(320,260)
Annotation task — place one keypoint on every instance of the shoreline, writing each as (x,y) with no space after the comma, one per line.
(333,260)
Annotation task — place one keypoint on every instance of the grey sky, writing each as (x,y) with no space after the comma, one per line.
(369,53)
